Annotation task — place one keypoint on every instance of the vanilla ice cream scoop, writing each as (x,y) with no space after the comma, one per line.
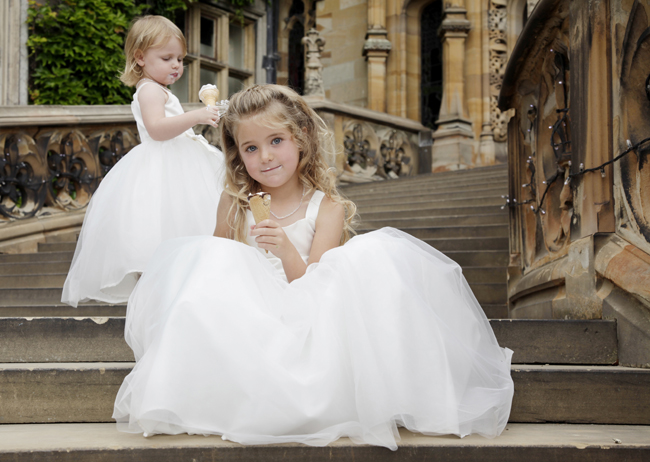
(209,94)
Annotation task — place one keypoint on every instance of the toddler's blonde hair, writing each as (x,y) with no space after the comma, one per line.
(147,32)
(279,106)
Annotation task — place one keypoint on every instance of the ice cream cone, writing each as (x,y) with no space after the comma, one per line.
(209,94)
(260,205)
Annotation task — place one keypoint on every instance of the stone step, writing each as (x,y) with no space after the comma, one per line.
(33,296)
(37,257)
(410,189)
(558,341)
(63,339)
(432,212)
(440,232)
(485,293)
(85,392)
(469,243)
(484,258)
(57,246)
(13,269)
(88,309)
(497,311)
(407,199)
(33,281)
(453,220)
(62,237)
(490,293)
(485,274)
(100,442)
(423,203)
(85,339)
(459,175)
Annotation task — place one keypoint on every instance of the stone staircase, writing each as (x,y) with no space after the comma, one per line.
(60,367)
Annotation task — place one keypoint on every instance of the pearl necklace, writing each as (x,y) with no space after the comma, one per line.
(296,209)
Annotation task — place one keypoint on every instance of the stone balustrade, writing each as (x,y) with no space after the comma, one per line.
(56,156)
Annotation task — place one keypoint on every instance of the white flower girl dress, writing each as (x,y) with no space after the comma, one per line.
(159,190)
(382,332)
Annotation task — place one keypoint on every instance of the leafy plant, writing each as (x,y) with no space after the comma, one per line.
(76,47)
(76,50)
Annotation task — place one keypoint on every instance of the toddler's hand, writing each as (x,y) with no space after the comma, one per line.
(270,236)
(208,115)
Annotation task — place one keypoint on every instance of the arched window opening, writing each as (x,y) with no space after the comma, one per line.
(298,22)
(431,73)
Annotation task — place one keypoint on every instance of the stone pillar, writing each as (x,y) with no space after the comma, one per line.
(314,68)
(453,140)
(13,52)
(376,49)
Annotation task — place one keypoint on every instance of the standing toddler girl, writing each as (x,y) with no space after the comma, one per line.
(166,187)
(312,341)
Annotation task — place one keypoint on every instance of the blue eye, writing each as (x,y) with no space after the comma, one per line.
(251,148)
(276,141)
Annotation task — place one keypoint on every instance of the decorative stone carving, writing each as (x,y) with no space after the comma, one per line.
(23,176)
(74,170)
(498,49)
(314,69)
(59,167)
(393,152)
(376,152)
(111,145)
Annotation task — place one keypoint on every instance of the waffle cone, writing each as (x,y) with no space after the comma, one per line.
(210,96)
(260,205)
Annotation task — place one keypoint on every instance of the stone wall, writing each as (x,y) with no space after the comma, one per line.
(579,182)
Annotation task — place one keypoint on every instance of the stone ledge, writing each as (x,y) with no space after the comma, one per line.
(531,442)
(24,235)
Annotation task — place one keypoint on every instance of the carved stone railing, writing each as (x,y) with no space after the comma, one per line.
(56,156)
(580,238)
(376,146)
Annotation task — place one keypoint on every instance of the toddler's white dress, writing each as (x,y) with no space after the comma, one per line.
(159,190)
(382,332)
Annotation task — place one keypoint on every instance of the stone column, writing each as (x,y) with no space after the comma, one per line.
(314,68)
(376,49)
(13,52)
(453,140)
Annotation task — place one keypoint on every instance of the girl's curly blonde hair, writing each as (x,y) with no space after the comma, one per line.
(283,108)
(147,32)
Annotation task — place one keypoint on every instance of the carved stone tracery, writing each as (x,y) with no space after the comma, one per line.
(498,49)
(59,167)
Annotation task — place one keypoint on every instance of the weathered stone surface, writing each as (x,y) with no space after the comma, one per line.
(533,443)
(78,339)
(558,341)
(85,392)
(581,394)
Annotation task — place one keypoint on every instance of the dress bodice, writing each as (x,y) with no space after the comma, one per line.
(172,108)
(300,233)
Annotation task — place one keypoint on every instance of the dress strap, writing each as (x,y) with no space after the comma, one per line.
(314,204)
(146,81)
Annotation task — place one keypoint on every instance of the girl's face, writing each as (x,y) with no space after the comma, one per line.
(270,155)
(164,64)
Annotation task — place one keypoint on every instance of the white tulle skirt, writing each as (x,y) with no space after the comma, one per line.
(382,332)
(158,191)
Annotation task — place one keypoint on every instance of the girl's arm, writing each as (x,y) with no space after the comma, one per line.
(329,227)
(161,128)
(223,228)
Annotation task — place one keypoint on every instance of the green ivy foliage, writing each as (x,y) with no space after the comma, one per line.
(76,48)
